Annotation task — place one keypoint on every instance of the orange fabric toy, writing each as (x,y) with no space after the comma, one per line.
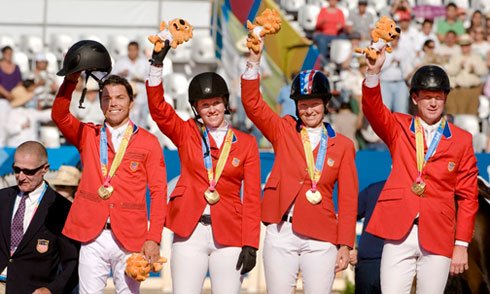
(267,23)
(385,32)
(177,32)
(138,268)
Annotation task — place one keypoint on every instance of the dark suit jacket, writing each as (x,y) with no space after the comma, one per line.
(28,269)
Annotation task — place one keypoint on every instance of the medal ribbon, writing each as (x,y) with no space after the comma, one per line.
(208,164)
(419,145)
(119,154)
(315,170)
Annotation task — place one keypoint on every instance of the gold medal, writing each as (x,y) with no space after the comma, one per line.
(314,197)
(418,188)
(211,196)
(105,192)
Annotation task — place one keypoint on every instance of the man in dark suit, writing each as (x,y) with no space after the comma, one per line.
(34,256)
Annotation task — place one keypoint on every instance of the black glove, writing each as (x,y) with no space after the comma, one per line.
(158,57)
(247,259)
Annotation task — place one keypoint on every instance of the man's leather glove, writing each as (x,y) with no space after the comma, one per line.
(158,57)
(247,259)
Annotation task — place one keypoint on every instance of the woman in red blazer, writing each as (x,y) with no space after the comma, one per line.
(216,227)
(304,232)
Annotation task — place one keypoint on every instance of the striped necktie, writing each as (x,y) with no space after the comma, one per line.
(17,227)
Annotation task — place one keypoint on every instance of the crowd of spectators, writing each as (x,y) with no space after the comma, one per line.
(458,40)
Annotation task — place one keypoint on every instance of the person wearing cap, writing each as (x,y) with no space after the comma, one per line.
(46,83)
(465,71)
(434,167)
(120,162)
(360,21)
(215,228)
(304,231)
(22,122)
(66,181)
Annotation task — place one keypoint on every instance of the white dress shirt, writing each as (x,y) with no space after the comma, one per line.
(117,134)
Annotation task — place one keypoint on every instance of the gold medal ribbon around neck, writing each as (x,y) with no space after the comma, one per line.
(314,170)
(418,187)
(211,195)
(106,189)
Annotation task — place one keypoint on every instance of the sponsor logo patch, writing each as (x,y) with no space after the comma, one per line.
(235,162)
(450,166)
(330,162)
(42,245)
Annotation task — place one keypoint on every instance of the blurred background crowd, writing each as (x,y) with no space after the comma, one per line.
(454,35)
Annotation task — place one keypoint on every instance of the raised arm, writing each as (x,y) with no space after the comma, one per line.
(162,113)
(257,110)
(378,115)
(68,124)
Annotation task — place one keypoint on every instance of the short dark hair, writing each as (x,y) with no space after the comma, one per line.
(134,43)
(451,4)
(6,48)
(117,80)
(27,83)
(428,21)
(451,32)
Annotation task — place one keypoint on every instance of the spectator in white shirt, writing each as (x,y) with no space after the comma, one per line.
(450,46)
(92,112)
(426,33)
(22,122)
(45,82)
(135,69)
(480,45)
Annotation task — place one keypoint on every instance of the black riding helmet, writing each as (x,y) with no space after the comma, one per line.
(430,77)
(88,56)
(208,85)
(310,84)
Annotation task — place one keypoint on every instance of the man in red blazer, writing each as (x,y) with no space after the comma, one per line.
(433,161)
(109,212)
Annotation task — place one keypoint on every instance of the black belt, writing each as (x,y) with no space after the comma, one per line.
(287,218)
(107,226)
(416,221)
(205,219)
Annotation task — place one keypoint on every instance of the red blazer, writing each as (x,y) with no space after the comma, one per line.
(450,171)
(235,222)
(142,165)
(289,179)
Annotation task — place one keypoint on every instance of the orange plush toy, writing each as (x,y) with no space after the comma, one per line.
(385,32)
(138,268)
(267,23)
(177,32)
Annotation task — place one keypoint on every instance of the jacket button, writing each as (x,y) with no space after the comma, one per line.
(11,260)
(112,205)
(301,182)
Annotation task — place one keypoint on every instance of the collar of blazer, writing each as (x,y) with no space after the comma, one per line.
(443,144)
(330,131)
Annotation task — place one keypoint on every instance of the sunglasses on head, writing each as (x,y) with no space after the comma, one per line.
(26,171)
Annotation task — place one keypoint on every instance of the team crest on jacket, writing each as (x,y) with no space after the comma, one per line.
(330,162)
(133,165)
(42,245)
(450,166)
(235,162)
